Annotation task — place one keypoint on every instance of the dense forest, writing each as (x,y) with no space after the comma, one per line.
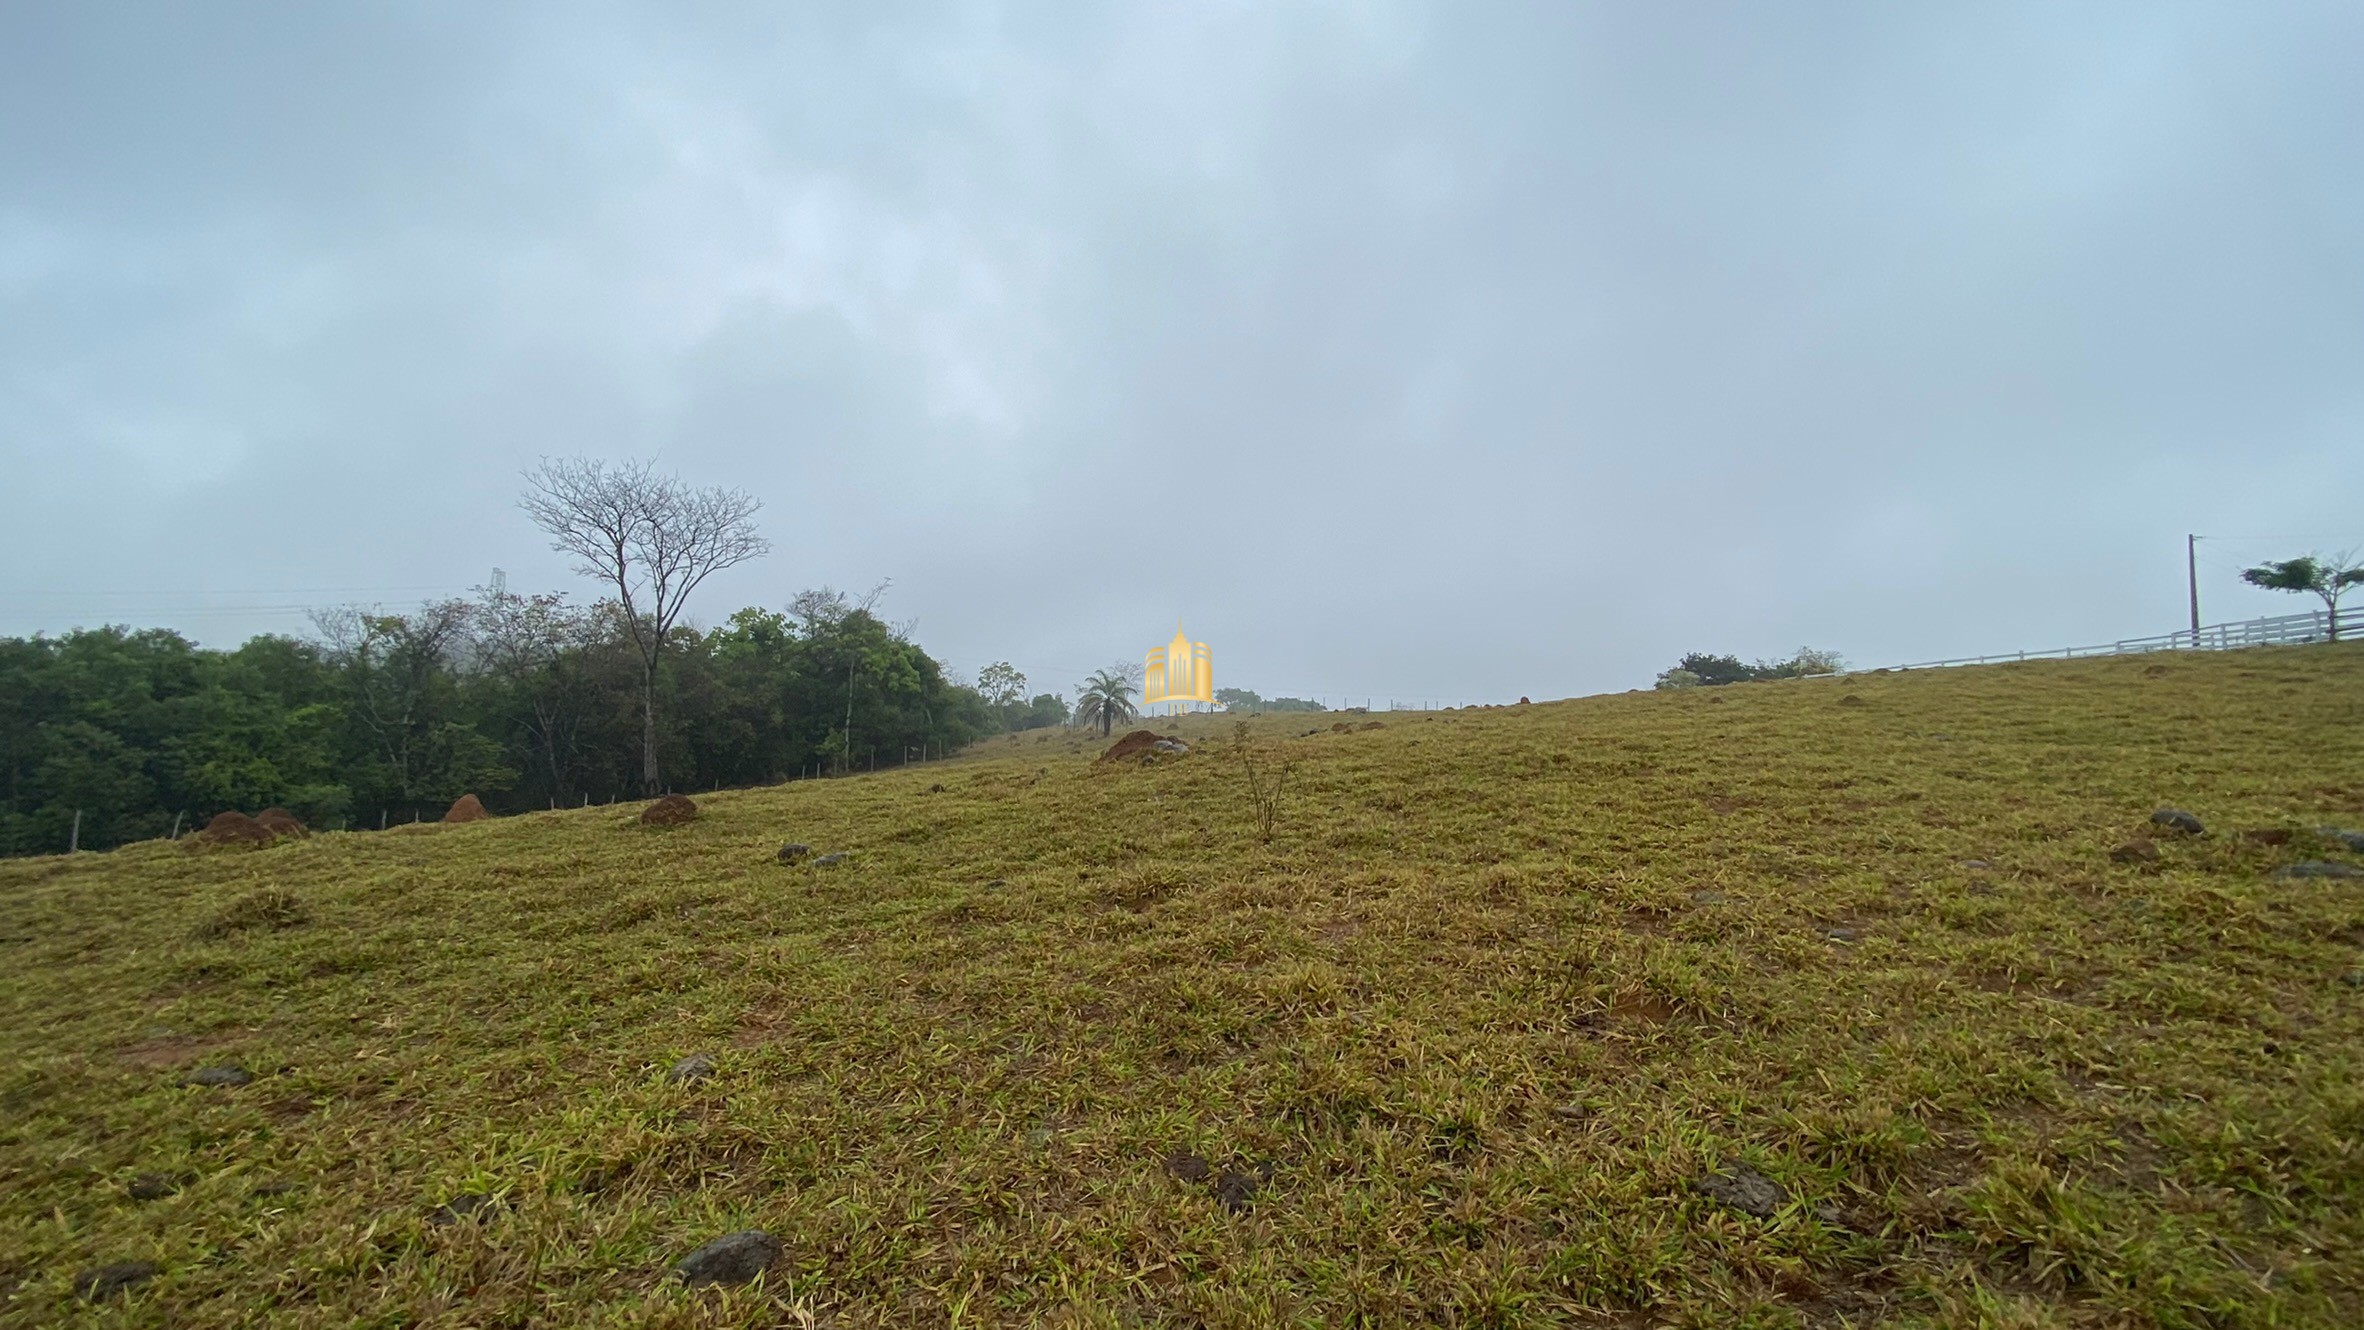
(527,701)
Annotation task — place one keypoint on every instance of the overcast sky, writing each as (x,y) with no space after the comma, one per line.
(1452,351)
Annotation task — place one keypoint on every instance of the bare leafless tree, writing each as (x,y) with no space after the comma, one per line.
(651,538)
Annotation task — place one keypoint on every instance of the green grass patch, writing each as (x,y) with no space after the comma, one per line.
(1464,1041)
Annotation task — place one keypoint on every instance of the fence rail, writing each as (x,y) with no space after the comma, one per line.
(2280,630)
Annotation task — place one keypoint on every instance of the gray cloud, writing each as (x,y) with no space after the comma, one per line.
(1435,351)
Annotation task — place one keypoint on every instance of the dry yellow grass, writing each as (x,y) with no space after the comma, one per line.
(1467,1041)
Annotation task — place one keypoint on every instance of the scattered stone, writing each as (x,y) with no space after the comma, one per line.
(1175,746)
(280,822)
(733,1258)
(273,1187)
(1707,898)
(1976,863)
(1374,725)
(1746,1190)
(1850,700)
(794,852)
(2318,868)
(1310,733)
(2177,820)
(2354,840)
(218,1076)
(997,882)
(1187,1166)
(695,1067)
(1839,934)
(466,808)
(103,1282)
(1571,1112)
(1234,1189)
(151,1187)
(831,860)
(1522,702)
(467,1205)
(670,811)
(2136,851)
(1831,1215)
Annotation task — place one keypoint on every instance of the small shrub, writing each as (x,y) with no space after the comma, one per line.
(1264,786)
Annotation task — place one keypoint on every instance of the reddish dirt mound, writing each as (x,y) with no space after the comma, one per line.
(1132,745)
(233,828)
(466,808)
(670,811)
(280,822)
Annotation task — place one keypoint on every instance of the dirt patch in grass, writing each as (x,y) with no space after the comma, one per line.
(170,1051)
(1132,745)
(232,830)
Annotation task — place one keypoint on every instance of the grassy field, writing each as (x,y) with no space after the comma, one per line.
(1514,1019)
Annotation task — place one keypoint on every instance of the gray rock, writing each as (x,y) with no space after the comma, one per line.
(794,852)
(105,1281)
(2175,819)
(1977,863)
(733,1258)
(2354,840)
(831,860)
(1170,746)
(1839,934)
(695,1067)
(1234,1189)
(2319,868)
(218,1076)
(1746,1190)
(1707,898)
(151,1187)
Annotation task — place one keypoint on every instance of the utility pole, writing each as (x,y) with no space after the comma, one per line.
(2191,572)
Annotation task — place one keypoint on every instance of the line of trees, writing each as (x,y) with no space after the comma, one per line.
(1245,699)
(528,701)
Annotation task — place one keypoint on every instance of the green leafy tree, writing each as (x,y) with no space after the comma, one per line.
(1045,711)
(2329,578)
(1105,700)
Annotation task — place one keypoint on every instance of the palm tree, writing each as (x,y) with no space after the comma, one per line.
(1107,697)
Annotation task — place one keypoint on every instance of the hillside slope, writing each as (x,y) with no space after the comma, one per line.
(1516,1017)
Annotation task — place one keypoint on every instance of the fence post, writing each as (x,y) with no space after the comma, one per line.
(74,841)
(176,823)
